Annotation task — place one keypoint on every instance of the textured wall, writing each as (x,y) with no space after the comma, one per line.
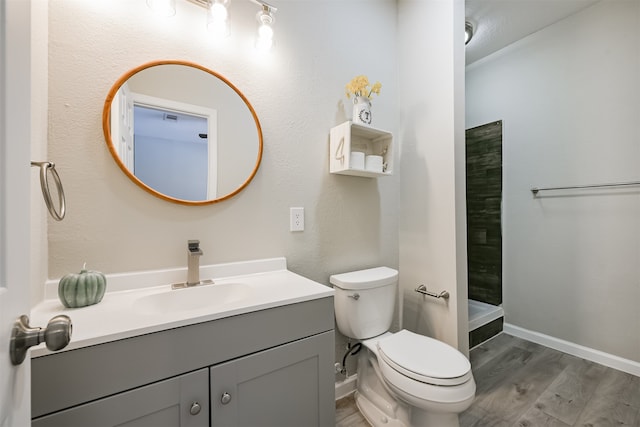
(432,229)
(568,98)
(298,94)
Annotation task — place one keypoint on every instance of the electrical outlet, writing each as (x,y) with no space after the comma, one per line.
(296,219)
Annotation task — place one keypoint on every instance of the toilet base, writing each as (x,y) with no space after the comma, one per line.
(382,406)
(374,415)
(378,418)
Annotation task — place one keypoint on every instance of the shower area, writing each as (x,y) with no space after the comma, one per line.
(484,231)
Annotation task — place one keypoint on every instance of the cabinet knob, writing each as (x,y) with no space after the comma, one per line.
(226,398)
(195,408)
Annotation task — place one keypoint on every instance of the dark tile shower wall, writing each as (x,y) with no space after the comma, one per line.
(484,195)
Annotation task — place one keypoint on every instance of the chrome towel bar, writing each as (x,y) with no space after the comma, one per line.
(422,289)
(535,190)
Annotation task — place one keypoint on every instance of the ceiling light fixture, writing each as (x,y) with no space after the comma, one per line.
(162,7)
(218,17)
(468,32)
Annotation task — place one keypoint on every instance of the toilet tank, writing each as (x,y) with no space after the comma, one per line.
(364,301)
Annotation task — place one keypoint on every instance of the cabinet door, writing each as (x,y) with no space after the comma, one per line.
(290,385)
(167,403)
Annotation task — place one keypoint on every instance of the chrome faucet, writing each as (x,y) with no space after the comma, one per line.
(193,267)
(193,262)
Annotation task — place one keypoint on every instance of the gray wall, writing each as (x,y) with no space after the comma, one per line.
(432,226)
(568,97)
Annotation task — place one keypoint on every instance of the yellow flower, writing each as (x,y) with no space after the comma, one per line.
(360,86)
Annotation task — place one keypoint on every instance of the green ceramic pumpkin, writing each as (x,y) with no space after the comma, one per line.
(82,289)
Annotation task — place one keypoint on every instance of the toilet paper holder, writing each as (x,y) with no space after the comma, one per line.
(422,289)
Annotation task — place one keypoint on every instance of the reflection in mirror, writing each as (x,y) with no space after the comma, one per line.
(182,132)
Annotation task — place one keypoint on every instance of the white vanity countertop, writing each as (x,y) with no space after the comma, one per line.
(143,302)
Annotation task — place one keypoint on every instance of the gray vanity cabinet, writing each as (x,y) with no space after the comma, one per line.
(276,366)
(274,388)
(176,402)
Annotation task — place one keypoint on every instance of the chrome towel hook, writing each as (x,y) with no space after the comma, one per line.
(46,193)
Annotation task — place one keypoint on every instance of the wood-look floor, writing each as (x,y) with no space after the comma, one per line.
(522,384)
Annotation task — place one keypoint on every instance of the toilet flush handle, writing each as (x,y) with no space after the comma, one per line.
(355,296)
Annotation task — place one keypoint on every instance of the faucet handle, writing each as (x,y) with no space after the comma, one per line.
(194,246)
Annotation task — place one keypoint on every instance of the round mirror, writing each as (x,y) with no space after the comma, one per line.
(182,132)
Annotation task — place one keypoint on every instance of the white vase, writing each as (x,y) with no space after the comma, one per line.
(361,110)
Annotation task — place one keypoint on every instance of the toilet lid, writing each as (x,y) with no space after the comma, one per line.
(424,359)
(365,279)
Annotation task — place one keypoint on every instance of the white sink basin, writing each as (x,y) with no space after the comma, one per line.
(190,299)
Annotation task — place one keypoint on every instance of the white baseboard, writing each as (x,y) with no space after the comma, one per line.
(346,387)
(606,359)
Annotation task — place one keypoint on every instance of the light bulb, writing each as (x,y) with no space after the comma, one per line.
(265,32)
(217,20)
(162,7)
(219,12)
(264,40)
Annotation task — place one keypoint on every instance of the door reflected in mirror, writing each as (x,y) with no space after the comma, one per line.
(182,132)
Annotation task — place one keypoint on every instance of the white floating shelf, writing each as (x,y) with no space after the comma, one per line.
(348,137)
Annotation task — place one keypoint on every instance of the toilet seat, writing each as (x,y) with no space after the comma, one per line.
(424,359)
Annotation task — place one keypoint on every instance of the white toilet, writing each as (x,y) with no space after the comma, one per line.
(404,379)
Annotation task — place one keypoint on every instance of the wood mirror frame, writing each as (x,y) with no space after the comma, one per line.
(106,126)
